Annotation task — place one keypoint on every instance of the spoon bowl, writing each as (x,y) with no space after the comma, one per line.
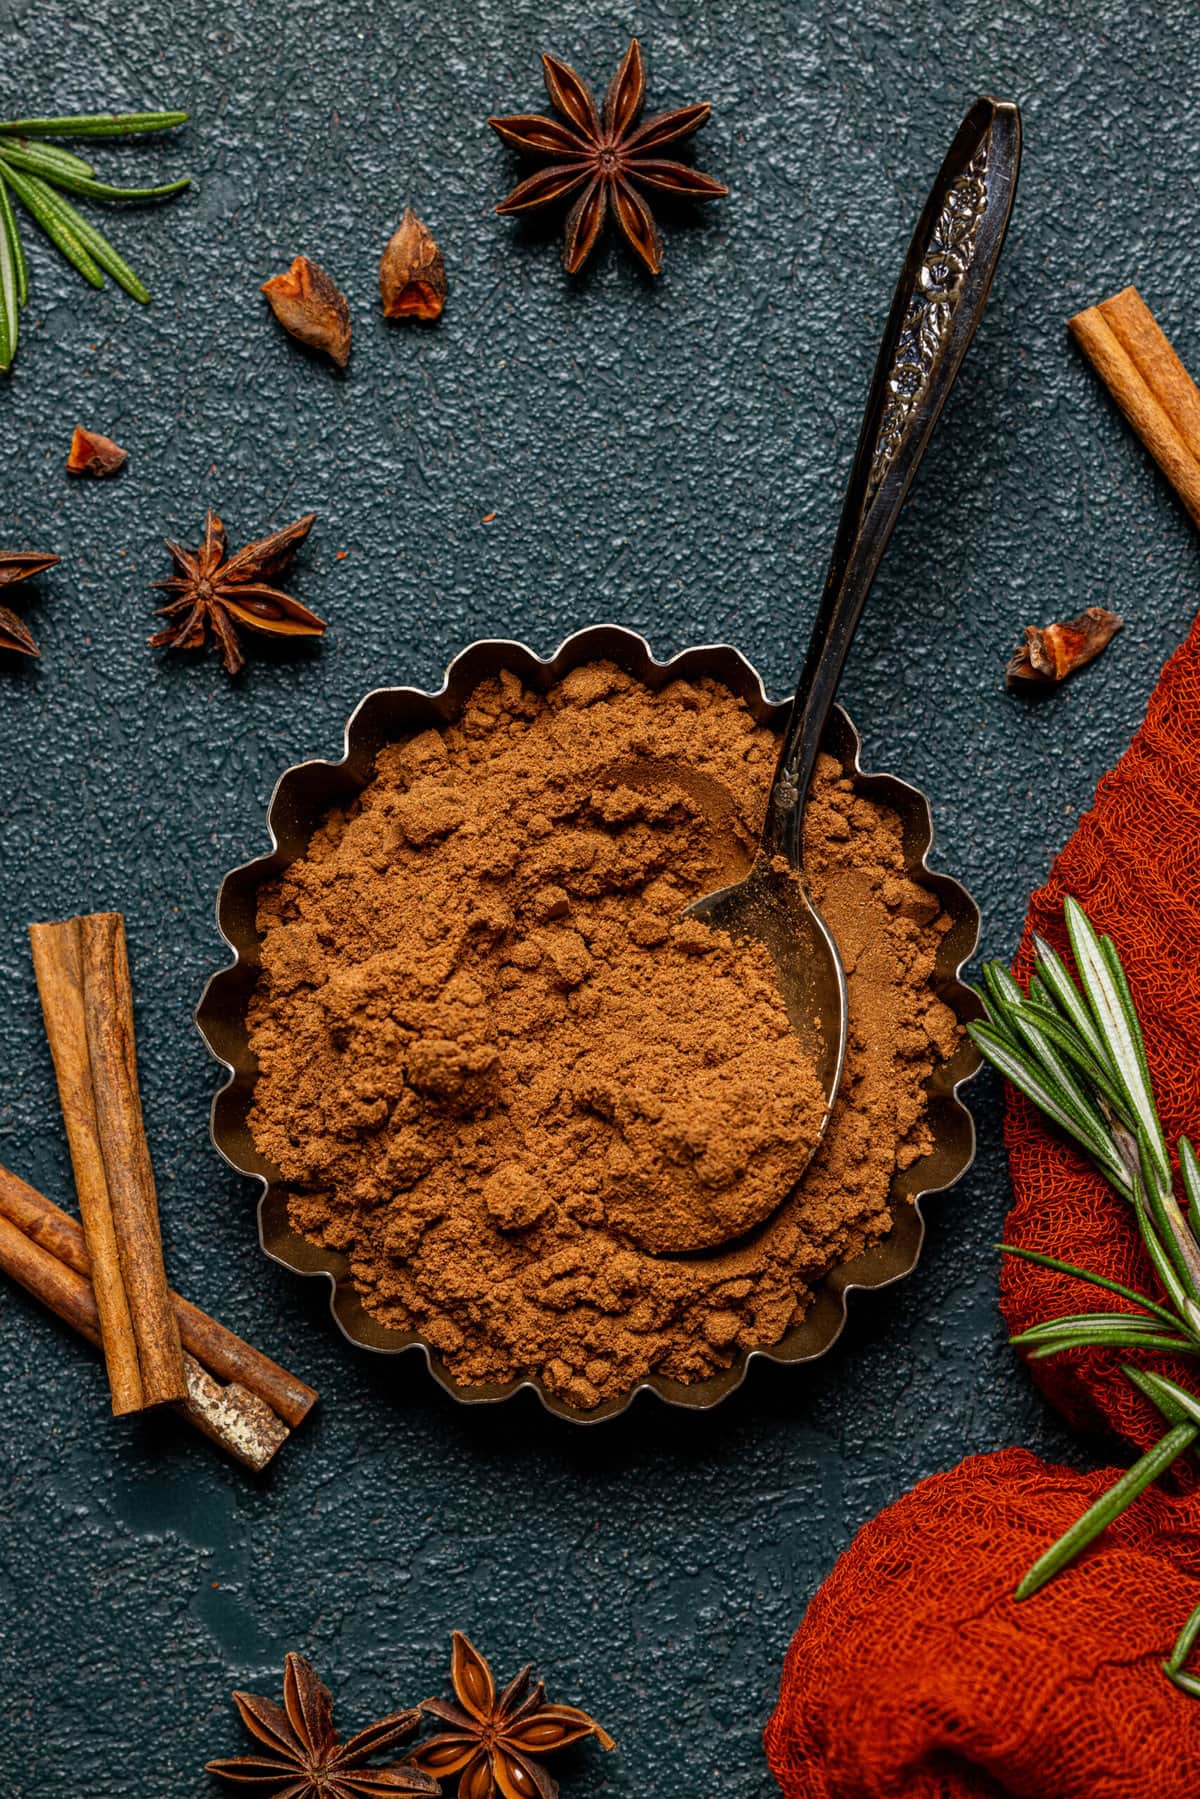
(770,906)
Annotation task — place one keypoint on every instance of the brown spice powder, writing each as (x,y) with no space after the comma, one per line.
(502,1073)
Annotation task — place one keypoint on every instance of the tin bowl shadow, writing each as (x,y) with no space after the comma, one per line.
(302,798)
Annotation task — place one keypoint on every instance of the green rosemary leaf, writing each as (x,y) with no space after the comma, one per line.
(1184,1643)
(1174,1234)
(104,253)
(1085,1274)
(1152,1386)
(8,223)
(997,980)
(1036,1085)
(995,1010)
(1070,1321)
(1120,981)
(43,204)
(92,242)
(1108,994)
(10,309)
(1110,1505)
(1064,1037)
(1017,1019)
(1038,991)
(1189,1168)
(49,160)
(104,190)
(1187,1683)
(1163,1265)
(13,281)
(1053,971)
(79,183)
(1118,1338)
(1168,1389)
(94,124)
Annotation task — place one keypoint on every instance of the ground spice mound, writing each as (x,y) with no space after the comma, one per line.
(502,1073)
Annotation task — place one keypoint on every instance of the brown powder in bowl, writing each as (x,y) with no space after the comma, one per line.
(502,1073)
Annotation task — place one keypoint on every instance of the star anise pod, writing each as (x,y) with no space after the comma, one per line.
(218,593)
(20,565)
(495,1743)
(305,1760)
(605,158)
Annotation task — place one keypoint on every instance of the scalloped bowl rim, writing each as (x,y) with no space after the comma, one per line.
(632,651)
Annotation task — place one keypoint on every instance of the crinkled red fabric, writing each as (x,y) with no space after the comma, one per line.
(916,1675)
(1133,863)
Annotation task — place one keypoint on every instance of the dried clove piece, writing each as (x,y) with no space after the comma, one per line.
(309,306)
(412,274)
(1052,653)
(92,453)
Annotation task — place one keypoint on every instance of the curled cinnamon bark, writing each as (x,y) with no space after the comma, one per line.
(1137,363)
(83,978)
(43,1249)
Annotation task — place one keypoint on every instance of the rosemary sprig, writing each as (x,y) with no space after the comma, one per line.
(37,174)
(1077,1052)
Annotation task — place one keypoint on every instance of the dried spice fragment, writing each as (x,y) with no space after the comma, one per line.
(412,273)
(92,453)
(20,565)
(216,593)
(312,309)
(1050,654)
(496,1742)
(605,158)
(305,1759)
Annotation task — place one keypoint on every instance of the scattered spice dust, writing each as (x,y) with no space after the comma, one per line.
(502,1073)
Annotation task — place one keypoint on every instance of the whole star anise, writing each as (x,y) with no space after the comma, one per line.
(20,565)
(218,593)
(605,158)
(305,1760)
(494,1742)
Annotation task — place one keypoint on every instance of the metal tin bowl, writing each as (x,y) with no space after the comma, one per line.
(305,794)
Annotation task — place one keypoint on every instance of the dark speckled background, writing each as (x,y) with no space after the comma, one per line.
(670,456)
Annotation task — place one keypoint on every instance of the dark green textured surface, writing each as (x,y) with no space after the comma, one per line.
(670,456)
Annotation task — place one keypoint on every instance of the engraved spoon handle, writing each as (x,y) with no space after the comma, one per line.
(939,301)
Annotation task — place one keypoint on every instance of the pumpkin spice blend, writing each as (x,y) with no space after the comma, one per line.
(558,1128)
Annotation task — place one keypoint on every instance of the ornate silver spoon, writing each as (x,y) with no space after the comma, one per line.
(939,301)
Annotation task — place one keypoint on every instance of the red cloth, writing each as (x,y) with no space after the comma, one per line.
(916,1675)
(1133,863)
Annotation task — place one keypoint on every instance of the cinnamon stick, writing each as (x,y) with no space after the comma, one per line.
(83,977)
(1142,372)
(43,1249)
(217,1348)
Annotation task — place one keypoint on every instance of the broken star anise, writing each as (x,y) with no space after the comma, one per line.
(605,158)
(218,593)
(495,1743)
(20,565)
(304,1758)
